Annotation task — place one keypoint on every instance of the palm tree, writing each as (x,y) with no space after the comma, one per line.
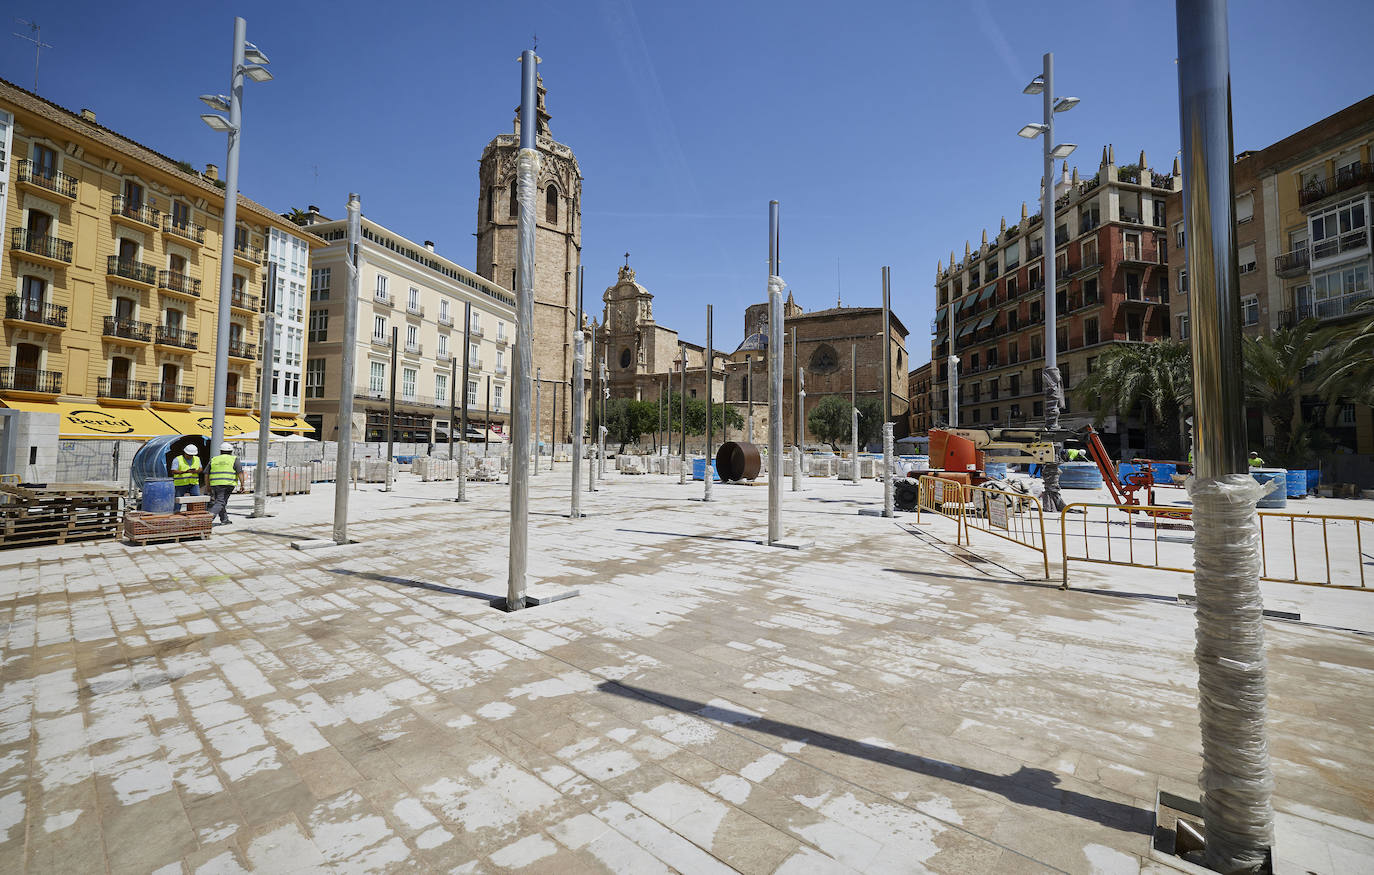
(1156,376)
(1347,368)
(1278,373)
(297,215)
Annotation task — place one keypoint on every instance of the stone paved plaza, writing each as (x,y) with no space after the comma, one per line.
(880,702)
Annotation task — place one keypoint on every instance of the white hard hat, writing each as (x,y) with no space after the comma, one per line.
(226,447)
(191,450)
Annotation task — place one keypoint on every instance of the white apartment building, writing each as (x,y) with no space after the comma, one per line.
(291,255)
(410,293)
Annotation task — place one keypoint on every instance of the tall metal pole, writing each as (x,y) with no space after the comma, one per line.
(391,405)
(796,419)
(854,412)
(774,380)
(452,399)
(553,424)
(887,391)
(463,444)
(1053,389)
(538,406)
(594,394)
(269,336)
(527,173)
(343,472)
(749,392)
(658,432)
(682,415)
(1236,780)
(486,438)
(601,427)
(578,402)
(953,359)
(706,477)
(226,258)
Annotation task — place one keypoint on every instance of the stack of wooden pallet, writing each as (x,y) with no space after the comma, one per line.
(55,513)
(141,527)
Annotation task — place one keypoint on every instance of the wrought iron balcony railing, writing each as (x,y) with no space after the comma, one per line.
(128,329)
(23,240)
(30,380)
(53,181)
(120,387)
(39,312)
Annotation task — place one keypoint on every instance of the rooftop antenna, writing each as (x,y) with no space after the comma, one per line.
(38,45)
(839,301)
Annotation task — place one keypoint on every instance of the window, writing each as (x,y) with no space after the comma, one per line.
(1035,346)
(500,331)
(443,346)
(1178,235)
(1162,286)
(993,414)
(1038,408)
(376,379)
(1182,281)
(319,284)
(1011,256)
(1090,294)
(472,393)
(1015,411)
(474,356)
(1131,244)
(497,391)
(314,378)
(1089,253)
(1161,219)
(551,205)
(381,294)
(379,329)
(1092,363)
(1092,217)
(1036,280)
(319,326)
(1183,327)
(1339,230)
(491,203)
(1346,418)
(500,360)
(1245,207)
(977,415)
(1014,385)
(441,388)
(1011,287)
(181,215)
(514,203)
(443,310)
(1133,286)
(413,300)
(44,160)
(412,337)
(408,383)
(1337,292)
(1245,258)
(133,195)
(1090,332)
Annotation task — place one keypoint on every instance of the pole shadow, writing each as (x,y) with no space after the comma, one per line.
(694,537)
(1027,786)
(420,584)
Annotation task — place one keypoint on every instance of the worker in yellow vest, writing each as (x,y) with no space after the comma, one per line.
(225,472)
(186,472)
(1256,461)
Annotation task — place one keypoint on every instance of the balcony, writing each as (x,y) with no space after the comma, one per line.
(1346,179)
(1293,263)
(47,182)
(442,355)
(384,299)
(1333,246)
(240,300)
(1128,174)
(250,256)
(238,401)
(120,389)
(446,320)
(135,213)
(1162,181)
(383,342)
(475,330)
(240,350)
(30,381)
(128,329)
(178,284)
(502,339)
(415,309)
(42,249)
(474,363)
(167,336)
(183,230)
(135,273)
(31,313)
(173,394)
(499,370)
(414,348)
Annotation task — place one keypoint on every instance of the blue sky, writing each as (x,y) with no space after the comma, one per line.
(886,130)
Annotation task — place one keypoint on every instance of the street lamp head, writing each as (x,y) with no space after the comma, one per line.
(215,101)
(1031,131)
(217,122)
(1064,104)
(257,74)
(253,55)
(1063,150)
(1036,86)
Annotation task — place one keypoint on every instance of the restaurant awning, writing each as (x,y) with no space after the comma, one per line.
(83,420)
(236,425)
(287,422)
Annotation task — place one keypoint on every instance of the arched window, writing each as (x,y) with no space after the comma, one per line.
(514,198)
(491,202)
(551,204)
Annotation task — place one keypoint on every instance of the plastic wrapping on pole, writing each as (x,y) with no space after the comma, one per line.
(220,390)
(710,378)
(1232,691)
(775,287)
(344,458)
(527,172)
(579,363)
(462,468)
(1049,472)
(854,444)
(265,401)
(538,402)
(887,469)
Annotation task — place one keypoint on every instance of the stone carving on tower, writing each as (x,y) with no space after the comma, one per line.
(557,247)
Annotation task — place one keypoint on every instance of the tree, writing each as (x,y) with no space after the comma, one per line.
(830,421)
(627,419)
(1347,367)
(1157,377)
(297,215)
(1278,374)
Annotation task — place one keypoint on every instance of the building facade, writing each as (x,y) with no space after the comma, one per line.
(111,281)
(1113,287)
(557,248)
(1303,240)
(412,294)
(918,399)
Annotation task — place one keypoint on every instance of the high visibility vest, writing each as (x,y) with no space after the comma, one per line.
(222,470)
(185,473)
(1256,462)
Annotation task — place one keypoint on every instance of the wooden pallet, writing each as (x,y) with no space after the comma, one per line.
(33,514)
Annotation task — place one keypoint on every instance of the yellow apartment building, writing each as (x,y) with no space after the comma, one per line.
(110,279)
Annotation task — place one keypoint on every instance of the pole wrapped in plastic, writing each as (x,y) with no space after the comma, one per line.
(887,469)
(775,317)
(353,264)
(528,172)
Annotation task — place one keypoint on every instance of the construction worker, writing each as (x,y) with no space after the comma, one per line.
(1256,461)
(224,472)
(186,472)
(1076,455)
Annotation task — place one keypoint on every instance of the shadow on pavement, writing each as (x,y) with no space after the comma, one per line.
(419,584)
(1036,787)
(685,535)
(1039,584)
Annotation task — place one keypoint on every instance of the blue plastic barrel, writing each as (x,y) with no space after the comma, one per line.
(995,470)
(1278,497)
(1163,471)
(1297,484)
(159,495)
(1314,479)
(154,458)
(1079,475)
(699,470)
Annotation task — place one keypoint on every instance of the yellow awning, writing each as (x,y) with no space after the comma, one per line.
(287,422)
(81,420)
(202,421)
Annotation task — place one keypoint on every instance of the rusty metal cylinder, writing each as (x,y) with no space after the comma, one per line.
(738,460)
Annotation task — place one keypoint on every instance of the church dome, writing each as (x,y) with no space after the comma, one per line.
(754,343)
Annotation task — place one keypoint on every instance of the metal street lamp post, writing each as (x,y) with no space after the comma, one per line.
(249,62)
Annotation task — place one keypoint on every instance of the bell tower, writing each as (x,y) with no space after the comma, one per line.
(557,248)
(630,333)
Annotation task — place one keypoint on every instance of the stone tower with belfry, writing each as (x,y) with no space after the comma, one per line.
(557,253)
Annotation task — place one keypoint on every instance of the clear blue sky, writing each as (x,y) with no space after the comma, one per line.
(886,130)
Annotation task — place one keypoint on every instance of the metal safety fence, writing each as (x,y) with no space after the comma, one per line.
(1143,537)
(1012,516)
(944,497)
